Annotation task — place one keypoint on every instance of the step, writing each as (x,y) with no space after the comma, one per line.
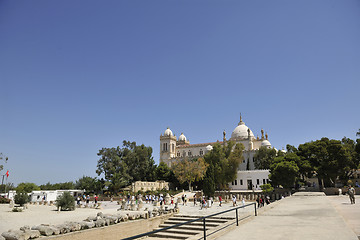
(189,227)
(216,217)
(174,222)
(181,231)
(200,220)
(169,235)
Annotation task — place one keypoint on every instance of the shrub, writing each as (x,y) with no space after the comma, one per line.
(66,202)
(17,209)
(4,200)
(266,188)
(21,198)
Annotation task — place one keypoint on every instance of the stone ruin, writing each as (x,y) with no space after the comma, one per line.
(100,220)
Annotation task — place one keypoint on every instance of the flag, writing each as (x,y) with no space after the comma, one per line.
(7,173)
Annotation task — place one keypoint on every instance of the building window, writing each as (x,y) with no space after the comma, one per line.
(172,148)
(184,153)
(241,182)
(178,154)
(165,147)
(189,153)
(232,183)
(267,180)
(257,181)
(201,152)
(235,182)
(263,181)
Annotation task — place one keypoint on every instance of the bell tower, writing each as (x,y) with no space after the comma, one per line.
(167,146)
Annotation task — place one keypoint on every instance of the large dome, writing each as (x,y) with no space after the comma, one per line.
(168,132)
(241,131)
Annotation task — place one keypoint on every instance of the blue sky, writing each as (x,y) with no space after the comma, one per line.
(76,76)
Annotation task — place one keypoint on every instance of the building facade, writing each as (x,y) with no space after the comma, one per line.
(173,149)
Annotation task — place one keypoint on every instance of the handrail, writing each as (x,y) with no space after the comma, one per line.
(194,220)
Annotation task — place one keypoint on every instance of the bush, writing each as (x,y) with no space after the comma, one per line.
(4,200)
(66,202)
(266,188)
(17,209)
(21,198)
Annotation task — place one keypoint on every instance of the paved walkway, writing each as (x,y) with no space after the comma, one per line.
(302,216)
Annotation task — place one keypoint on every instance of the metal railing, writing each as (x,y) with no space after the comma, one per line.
(195,220)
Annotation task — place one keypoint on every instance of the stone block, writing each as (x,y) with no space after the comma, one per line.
(44,230)
(15,235)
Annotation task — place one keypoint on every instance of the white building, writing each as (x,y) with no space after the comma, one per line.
(47,195)
(173,149)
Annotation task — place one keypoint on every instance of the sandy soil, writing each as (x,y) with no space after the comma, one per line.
(40,214)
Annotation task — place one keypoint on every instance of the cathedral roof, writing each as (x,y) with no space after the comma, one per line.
(196,145)
(182,137)
(241,131)
(168,132)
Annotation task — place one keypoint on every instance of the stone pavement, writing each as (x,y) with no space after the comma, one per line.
(301,216)
(350,212)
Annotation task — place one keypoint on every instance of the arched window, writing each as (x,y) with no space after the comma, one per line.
(165,147)
(189,153)
(201,152)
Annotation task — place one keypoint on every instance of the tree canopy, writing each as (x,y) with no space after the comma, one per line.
(223,162)
(27,187)
(330,159)
(264,157)
(189,171)
(122,166)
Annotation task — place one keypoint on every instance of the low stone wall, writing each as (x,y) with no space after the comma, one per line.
(118,231)
(335,191)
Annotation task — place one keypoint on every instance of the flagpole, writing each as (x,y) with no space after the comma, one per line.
(5,185)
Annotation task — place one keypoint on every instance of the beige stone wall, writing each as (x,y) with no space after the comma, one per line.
(145,186)
(117,231)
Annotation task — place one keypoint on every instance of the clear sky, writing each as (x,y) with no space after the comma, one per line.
(76,76)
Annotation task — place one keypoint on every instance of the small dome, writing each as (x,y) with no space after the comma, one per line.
(168,132)
(209,148)
(182,137)
(265,143)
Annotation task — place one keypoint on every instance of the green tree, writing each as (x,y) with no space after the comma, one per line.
(189,170)
(66,202)
(163,172)
(21,198)
(87,183)
(264,157)
(223,162)
(122,166)
(283,172)
(27,187)
(330,159)
(266,188)
(58,186)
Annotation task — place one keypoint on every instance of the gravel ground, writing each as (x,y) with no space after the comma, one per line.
(40,214)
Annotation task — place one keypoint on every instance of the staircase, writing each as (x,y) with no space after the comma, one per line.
(190,230)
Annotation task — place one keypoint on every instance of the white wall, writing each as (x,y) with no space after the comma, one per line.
(257,177)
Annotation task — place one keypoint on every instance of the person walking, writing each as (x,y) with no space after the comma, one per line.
(351,193)
(234,200)
(220,200)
